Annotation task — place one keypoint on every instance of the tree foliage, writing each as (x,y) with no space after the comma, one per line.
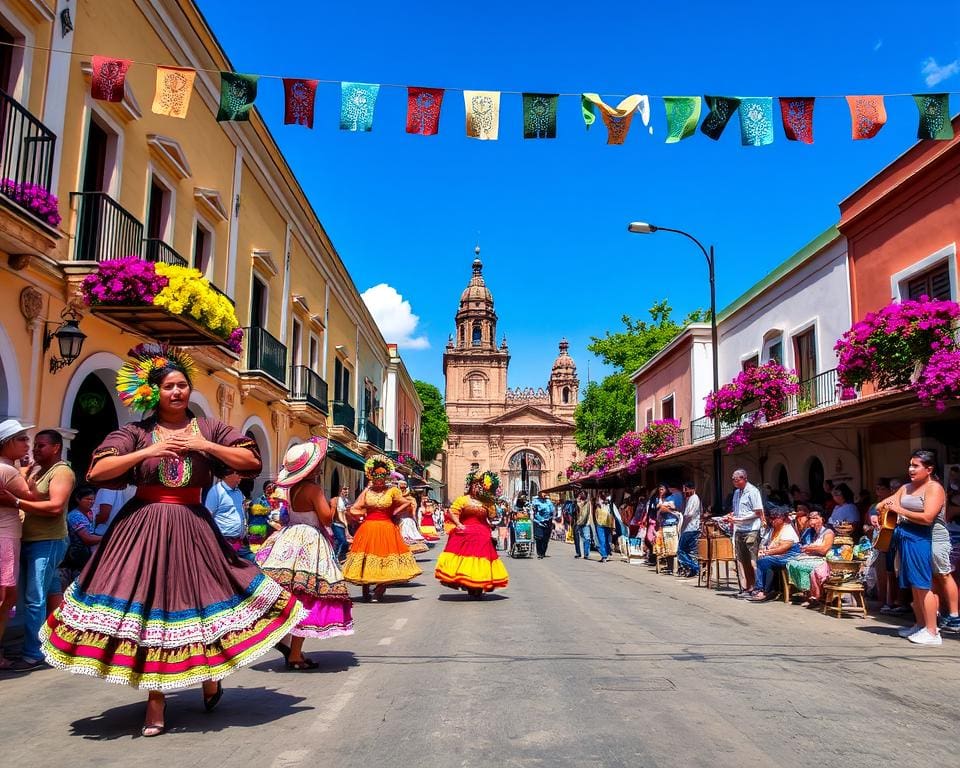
(434,425)
(606,410)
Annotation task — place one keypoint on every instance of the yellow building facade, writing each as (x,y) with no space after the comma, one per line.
(195,192)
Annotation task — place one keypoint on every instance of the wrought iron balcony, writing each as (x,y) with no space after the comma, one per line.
(701,429)
(371,433)
(26,155)
(816,392)
(105,229)
(224,294)
(265,354)
(157,250)
(306,386)
(344,415)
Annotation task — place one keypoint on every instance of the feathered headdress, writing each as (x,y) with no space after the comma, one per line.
(378,467)
(133,379)
(489,483)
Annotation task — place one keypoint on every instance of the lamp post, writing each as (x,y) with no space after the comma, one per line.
(644,228)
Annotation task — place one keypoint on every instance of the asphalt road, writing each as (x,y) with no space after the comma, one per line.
(576,663)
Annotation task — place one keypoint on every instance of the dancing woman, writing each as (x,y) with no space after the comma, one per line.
(378,556)
(428,523)
(300,558)
(408,524)
(165,602)
(469,561)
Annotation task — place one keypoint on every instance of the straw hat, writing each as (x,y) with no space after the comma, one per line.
(11,427)
(301,461)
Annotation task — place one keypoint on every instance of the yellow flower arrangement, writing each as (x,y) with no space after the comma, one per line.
(189,293)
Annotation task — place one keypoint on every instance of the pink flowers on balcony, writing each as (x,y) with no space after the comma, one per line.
(757,394)
(633,451)
(34,198)
(907,344)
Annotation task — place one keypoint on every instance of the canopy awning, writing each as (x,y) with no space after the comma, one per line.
(343,455)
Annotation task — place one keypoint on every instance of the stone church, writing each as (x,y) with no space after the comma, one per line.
(525,435)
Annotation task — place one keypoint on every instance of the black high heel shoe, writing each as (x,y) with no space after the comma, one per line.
(150,730)
(210,702)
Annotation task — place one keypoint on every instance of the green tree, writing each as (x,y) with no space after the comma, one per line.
(434,425)
(607,408)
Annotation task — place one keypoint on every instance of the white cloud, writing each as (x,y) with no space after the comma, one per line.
(933,73)
(394,317)
(878,45)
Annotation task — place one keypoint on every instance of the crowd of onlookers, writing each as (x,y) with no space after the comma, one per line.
(782,537)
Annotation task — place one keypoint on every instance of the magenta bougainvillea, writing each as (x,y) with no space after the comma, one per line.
(757,394)
(127,281)
(36,199)
(633,451)
(888,345)
(905,344)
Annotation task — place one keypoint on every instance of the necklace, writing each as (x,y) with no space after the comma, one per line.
(175,473)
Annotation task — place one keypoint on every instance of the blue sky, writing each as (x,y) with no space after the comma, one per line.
(551,215)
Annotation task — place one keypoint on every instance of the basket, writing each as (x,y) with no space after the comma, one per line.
(843,570)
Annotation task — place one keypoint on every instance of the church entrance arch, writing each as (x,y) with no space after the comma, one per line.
(524,474)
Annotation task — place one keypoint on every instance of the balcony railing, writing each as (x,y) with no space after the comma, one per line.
(344,415)
(371,433)
(265,354)
(26,154)
(157,250)
(224,294)
(307,386)
(701,429)
(816,392)
(105,229)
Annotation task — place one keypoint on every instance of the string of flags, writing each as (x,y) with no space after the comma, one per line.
(358,101)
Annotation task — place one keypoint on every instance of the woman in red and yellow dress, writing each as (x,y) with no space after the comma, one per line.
(469,561)
(428,523)
(378,556)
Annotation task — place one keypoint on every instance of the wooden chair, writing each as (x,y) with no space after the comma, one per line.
(703,561)
(833,598)
(785,585)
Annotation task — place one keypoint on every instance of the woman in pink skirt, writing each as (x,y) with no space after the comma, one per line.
(14,446)
(301,559)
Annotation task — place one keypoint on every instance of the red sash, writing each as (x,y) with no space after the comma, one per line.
(160,494)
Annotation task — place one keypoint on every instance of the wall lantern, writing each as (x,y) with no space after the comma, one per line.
(69,339)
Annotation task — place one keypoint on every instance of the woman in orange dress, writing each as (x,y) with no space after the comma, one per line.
(469,561)
(378,556)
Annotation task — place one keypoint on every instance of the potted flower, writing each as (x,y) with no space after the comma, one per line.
(32,197)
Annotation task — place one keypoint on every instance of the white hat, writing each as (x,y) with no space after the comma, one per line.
(11,427)
(301,460)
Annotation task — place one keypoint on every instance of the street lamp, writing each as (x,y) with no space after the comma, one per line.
(645,228)
(69,339)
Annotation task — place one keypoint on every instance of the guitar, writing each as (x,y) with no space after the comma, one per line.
(888,522)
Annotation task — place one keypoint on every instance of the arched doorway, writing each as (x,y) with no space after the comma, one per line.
(10,387)
(815,478)
(781,480)
(93,417)
(524,473)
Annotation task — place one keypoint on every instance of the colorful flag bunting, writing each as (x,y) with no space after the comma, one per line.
(237,94)
(483,114)
(540,115)
(299,97)
(797,115)
(423,110)
(357,103)
(618,118)
(683,114)
(756,121)
(867,116)
(589,110)
(174,88)
(722,108)
(109,76)
(934,111)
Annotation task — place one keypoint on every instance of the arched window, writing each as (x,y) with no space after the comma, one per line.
(565,395)
(476,386)
(477,335)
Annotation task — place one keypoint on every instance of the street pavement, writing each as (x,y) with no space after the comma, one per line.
(575,664)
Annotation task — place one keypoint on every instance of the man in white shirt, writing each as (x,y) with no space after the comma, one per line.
(340,524)
(106,505)
(689,533)
(746,516)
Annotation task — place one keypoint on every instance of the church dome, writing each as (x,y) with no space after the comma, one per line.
(564,363)
(476,289)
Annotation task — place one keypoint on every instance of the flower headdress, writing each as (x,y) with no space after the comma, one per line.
(489,483)
(133,379)
(378,467)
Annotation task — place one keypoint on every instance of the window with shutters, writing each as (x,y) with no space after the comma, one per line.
(934,283)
